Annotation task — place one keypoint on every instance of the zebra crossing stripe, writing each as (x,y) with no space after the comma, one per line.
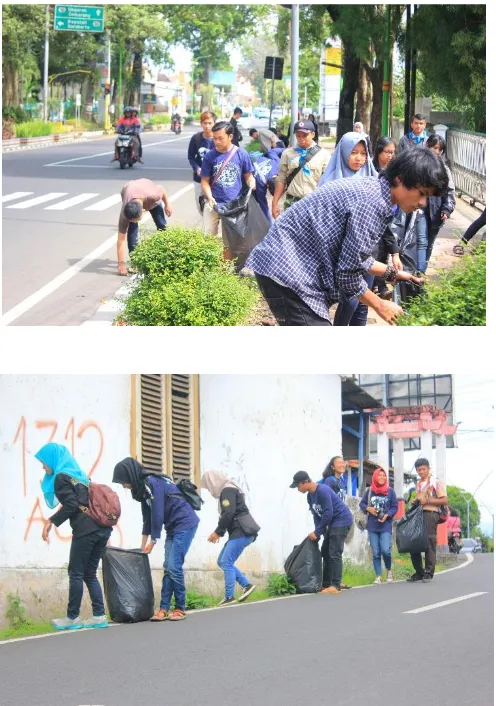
(105,203)
(67,203)
(39,199)
(16,195)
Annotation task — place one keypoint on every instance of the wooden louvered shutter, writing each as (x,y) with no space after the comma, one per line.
(180,427)
(152,422)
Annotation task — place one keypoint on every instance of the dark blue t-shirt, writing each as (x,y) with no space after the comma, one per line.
(197,149)
(168,508)
(328,510)
(230,183)
(265,167)
(387,503)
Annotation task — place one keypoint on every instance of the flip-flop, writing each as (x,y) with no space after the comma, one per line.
(177,615)
(160,616)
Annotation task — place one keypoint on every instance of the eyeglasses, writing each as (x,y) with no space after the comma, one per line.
(389,152)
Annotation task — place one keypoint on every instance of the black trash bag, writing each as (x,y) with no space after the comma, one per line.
(244,224)
(304,567)
(411,534)
(127,582)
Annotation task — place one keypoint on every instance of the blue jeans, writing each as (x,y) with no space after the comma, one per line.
(158,216)
(351,312)
(176,548)
(421,228)
(231,551)
(86,552)
(381,543)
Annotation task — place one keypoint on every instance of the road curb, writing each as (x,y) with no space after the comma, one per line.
(16,144)
(467,562)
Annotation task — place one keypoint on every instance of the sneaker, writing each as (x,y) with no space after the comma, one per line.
(427,579)
(247,591)
(227,601)
(378,580)
(332,590)
(97,621)
(389,576)
(415,577)
(67,623)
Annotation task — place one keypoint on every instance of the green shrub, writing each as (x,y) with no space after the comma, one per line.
(215,298)
(177,252)
(458,298)
(189,119)
(283,124)
(159,119)
(36,128)
(15,113)
(183,281)
(254,146)
(280,585)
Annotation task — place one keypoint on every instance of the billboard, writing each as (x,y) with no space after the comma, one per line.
(332,56)
(222,78)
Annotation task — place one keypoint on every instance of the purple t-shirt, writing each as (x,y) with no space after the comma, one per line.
(230,183)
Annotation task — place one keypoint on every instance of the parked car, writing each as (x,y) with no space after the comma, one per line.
(263,113)
(468,546)
(245,121)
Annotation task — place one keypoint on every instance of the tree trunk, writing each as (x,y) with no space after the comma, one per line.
(10,86)
(351,70)
(375,77)
(364,99)
(137,73)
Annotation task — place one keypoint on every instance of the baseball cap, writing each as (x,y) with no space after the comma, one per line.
(300,477)
(304,126)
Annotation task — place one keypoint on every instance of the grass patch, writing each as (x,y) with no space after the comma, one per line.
(159,119)
(26,629)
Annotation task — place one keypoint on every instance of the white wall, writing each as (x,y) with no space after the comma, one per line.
(260,430)
(93,413)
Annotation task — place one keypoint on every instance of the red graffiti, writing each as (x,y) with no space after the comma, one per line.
(22,428)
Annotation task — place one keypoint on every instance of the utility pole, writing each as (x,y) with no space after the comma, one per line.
(470,498)
(107,90)
(408,56)
(386,84)
(121,99)
(295,46)
(45,67)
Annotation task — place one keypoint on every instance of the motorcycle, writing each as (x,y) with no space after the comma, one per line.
(176,127)
(454,543)
(125,148)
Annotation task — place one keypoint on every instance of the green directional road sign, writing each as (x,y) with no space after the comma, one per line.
(78,18)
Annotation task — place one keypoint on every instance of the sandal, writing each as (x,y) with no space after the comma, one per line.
(344,586)
(160,616)
(459,250)
(177,615)
(122,269)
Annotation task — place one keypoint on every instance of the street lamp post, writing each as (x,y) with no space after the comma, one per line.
(470,498)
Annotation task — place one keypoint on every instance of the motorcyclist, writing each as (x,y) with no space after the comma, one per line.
(127,124)
(139,127)
(176,118)
(453,526)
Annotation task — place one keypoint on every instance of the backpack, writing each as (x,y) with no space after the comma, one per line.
(104,505)
(189,491)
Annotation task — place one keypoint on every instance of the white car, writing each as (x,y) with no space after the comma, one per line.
(263,113)
(245,121)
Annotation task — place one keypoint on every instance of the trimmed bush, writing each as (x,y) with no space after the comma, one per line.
(15,114)
(159,119)
(458,298)
(254,146)
(36,128)
(183,281)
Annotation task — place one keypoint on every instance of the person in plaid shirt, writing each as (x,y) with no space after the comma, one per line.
(321,248)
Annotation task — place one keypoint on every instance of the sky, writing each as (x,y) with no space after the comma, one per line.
(469,463)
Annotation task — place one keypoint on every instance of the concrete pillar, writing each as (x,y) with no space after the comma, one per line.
(442,530)
(399,469)
(441,130)
(383,451)
(426,445)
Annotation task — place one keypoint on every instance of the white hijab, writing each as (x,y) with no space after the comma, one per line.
(215,482)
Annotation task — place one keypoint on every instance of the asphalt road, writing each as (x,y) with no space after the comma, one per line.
(61,204)
(358,647)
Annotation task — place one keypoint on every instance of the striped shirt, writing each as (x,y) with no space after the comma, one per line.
(322,246)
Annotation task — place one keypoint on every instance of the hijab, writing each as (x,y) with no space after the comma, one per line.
(376,488)
(215,482)
(59,459)
(131,471)
(338,165)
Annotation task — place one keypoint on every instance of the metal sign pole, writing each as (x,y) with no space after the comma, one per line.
(295,47)
(45,68)
(272,90)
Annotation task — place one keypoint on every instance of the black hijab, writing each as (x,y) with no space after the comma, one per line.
(130,471)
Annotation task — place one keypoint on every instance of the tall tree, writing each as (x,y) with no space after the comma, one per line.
(458,500)
(451,42)
(22,32)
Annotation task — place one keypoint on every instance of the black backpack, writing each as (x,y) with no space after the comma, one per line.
(189,491)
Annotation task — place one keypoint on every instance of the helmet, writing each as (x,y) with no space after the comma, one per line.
(135,109)
(128,109)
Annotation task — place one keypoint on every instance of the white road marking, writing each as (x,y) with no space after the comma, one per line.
(105,203)
(16,195)
(68,274)
(109,166)
(70,202)
(443,603)
(56,633)
(103,154)
(39,199)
